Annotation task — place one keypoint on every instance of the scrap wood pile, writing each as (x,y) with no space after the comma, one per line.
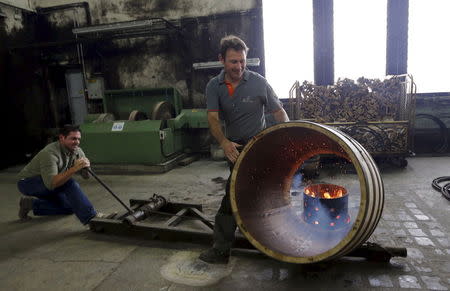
(365,100)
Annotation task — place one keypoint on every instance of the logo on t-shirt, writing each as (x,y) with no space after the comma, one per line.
(248,99)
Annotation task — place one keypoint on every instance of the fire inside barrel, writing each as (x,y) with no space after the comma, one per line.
(326,206)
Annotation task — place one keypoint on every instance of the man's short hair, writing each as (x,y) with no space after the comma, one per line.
(68,128)
(233,42)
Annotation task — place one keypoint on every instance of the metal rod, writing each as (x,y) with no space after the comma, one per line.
(181,216)
(109,190)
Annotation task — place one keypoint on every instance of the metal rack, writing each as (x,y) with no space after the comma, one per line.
(382,138)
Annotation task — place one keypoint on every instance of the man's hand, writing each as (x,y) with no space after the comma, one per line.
(229,147)
(81,163)
(230,150)
(62,178)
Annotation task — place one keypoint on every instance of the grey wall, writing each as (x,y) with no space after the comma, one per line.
(158,61)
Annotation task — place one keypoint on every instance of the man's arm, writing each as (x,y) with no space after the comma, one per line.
(273,105)
(61,178)
(280,116)
(229,147)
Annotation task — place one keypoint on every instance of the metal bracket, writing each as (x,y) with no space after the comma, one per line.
(186,222)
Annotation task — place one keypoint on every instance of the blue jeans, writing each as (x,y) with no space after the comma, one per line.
(66,199)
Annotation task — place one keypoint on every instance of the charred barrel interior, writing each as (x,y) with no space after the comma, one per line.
(330,219)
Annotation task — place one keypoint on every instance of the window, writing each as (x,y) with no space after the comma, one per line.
(360,38)
(359,42)
(288,43)
(429,45)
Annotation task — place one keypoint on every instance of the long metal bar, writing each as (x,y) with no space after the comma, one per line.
(179,214)
(176,218)
(216,64)
(109,190)
(152,23)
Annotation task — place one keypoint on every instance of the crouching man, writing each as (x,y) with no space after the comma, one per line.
(47,181)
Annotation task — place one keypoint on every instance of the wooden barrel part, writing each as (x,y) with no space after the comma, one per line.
(261,197)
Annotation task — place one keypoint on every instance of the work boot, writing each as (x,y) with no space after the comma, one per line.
(215,256)
(97,215)
(25,206)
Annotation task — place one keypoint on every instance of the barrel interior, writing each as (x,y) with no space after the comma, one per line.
(267,191)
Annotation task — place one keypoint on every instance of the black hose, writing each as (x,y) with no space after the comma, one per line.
(442,147)
(445,191)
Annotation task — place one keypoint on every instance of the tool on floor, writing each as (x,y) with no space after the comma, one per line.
(140,212)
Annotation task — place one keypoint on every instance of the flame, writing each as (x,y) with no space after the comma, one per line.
(316,209)
(316,222)
(332,223)
(325,191)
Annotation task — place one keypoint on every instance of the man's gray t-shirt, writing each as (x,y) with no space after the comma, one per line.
(243,112)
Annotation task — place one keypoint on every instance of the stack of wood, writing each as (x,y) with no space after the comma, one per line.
(347,101)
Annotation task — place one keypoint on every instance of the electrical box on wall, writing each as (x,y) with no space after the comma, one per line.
(95,88)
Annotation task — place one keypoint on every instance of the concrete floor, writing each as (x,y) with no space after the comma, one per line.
(58,253)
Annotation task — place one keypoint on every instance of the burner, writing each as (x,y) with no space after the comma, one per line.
(326,206)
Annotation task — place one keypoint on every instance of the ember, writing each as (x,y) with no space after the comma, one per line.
(326,205)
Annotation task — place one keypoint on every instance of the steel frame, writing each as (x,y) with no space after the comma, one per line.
(174,222)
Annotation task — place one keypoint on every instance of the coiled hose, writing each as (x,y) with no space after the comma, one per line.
(445,190)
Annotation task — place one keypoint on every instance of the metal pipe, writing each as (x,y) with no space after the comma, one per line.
(81,60)
(109,190)
(155,203)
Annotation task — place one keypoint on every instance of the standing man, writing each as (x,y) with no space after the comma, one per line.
(48,177)
(240,97)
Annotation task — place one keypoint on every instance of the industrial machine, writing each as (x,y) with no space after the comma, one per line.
(143,127)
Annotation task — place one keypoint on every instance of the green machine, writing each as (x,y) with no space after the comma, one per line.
(146,127)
